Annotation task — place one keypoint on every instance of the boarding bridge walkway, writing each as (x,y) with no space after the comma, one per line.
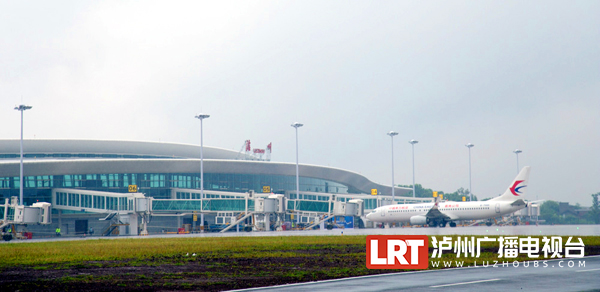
(190,200)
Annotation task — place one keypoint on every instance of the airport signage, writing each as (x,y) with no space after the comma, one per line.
(133,188)
(397,252)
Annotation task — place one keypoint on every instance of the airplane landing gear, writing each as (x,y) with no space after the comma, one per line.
(452,224)
(431,223)
(443,224)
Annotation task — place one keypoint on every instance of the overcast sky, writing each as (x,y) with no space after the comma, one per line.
(499,74)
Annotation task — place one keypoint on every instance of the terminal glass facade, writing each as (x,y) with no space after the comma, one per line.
(158,185)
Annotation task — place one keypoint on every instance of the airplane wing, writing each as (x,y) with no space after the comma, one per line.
(435,214)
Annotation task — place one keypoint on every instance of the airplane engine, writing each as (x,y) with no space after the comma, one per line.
(418,220)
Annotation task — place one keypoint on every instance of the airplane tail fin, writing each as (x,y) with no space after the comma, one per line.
(517,188)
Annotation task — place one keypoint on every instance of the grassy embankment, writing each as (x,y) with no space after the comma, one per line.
(220,262)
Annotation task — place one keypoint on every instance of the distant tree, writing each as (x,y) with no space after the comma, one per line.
(420,191)
(595,210)
(549,212)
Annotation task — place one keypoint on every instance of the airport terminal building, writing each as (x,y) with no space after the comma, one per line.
(168,172)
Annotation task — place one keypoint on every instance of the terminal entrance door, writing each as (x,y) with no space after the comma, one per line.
(81,227)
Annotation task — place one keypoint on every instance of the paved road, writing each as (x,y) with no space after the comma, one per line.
(510,278)
(574,230)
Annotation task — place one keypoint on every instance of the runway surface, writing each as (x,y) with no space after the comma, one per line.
(553,275)
(575,230)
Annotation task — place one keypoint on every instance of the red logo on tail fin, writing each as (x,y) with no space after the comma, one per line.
(515,190)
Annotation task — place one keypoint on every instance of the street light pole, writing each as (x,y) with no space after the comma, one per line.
(297,125)
(469,145)
(517,151)
(413,142)
(392,134)
(202,117)
(21,108)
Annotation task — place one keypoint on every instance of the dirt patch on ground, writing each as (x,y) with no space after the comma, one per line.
(204,272)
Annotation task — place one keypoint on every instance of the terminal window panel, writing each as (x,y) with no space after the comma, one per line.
(99,202)
(29,182)
(188,181)
(370,203)
(67,181)
(113,181)
(4,183)
(183,196)
(104,179)
(61,199)
(123,204)
(73,200)
(111,203)
(157,180)
(78,180)
(180,181)
(86,201)
(130,179)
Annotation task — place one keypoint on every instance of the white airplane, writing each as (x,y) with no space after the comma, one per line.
(440,213)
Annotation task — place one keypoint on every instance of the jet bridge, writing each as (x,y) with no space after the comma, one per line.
(354,207)
(14,215)
(122,209)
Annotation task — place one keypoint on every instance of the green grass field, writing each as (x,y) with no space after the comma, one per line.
(55,252)
(143,248)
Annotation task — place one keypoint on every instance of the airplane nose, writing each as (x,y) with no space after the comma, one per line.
(369,216)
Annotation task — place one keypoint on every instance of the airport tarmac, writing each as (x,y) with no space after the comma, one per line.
(554,275)
(565,230)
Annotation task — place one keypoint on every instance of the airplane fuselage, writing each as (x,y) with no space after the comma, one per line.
(455,210)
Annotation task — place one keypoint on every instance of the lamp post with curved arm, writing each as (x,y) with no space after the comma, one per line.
(392,134)
(297,125)
(517,151)
(21,108)
(469,145)
(201,117)
(413,142)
